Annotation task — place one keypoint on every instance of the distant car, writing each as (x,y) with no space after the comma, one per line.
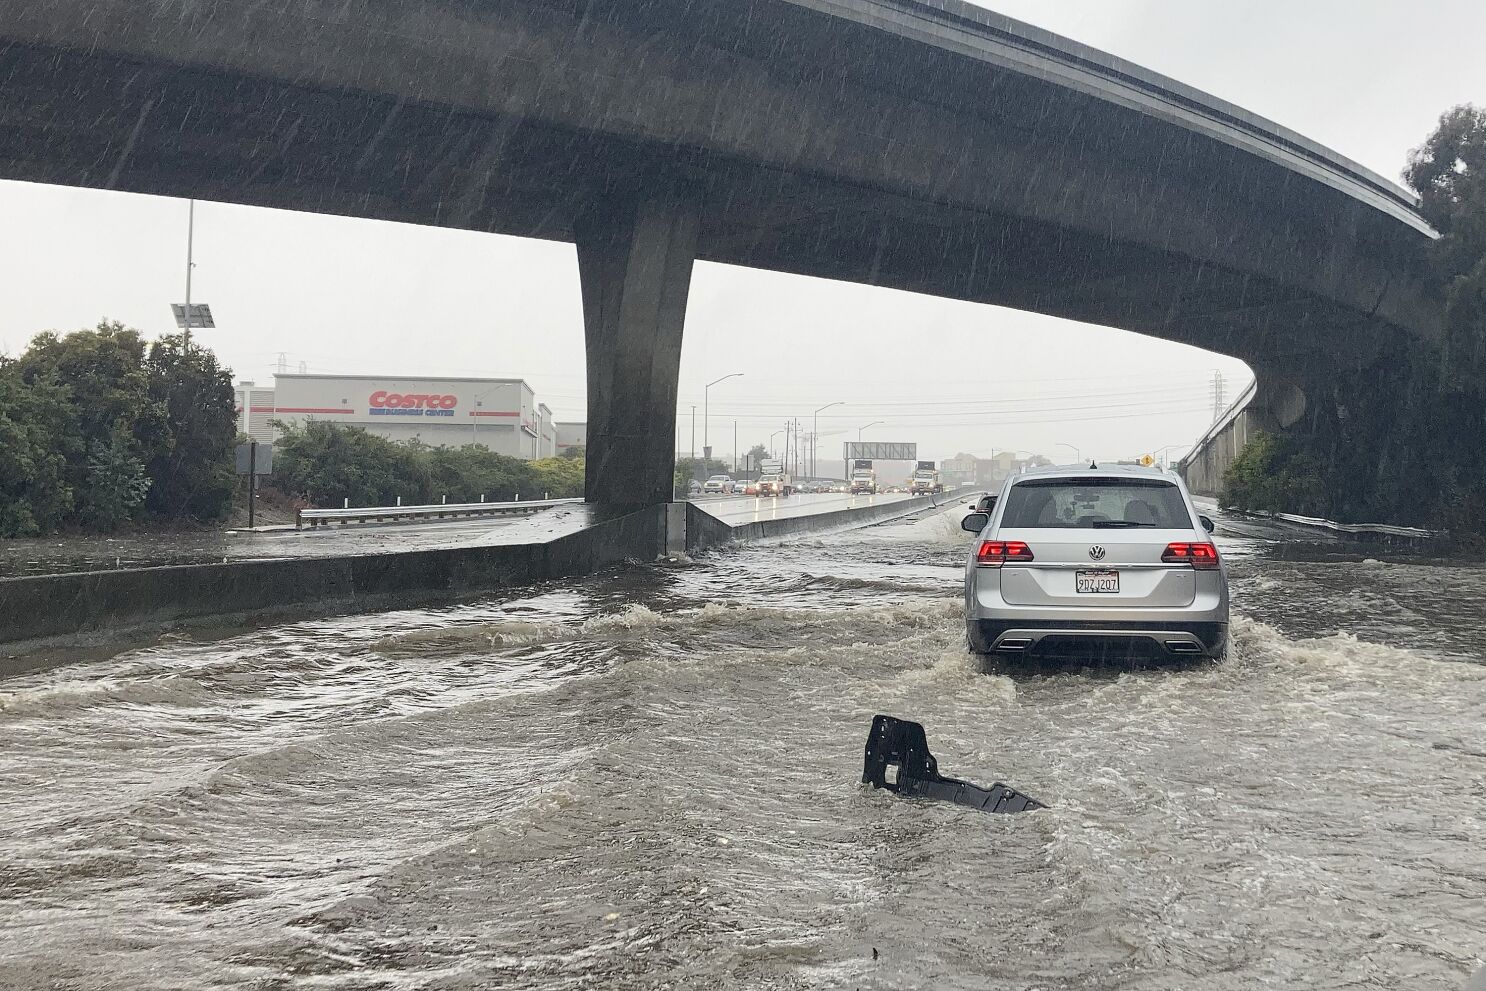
(750,488)
(694,488)
(718,485)
(1110,560)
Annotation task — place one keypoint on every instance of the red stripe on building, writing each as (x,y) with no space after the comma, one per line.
(297,409)
(261,409)
(490,413)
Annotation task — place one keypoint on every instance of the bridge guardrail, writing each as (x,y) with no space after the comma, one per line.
(403,514)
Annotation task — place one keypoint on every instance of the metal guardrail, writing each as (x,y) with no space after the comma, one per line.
(1385,529)
(415,514)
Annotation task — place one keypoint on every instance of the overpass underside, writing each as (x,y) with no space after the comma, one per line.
(766,134)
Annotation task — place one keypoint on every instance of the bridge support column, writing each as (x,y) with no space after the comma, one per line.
(635,256)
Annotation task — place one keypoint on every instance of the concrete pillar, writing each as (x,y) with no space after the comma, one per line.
(635,255)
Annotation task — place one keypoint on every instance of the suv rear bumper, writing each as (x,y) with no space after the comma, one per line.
(1051,638)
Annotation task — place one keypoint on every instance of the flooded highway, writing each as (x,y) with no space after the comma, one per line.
(649,779)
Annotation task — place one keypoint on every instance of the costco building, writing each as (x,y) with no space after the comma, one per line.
(499,414)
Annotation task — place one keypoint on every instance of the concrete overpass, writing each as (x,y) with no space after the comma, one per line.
(928,146)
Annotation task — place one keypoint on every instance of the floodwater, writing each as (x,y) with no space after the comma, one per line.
(649,779)
(60,554)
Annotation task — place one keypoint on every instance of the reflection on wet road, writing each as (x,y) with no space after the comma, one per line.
(649,779)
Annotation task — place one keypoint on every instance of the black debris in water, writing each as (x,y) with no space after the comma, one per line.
(899,760)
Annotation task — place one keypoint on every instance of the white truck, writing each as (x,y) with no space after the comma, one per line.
(773,480)
(863,477)
(925,479)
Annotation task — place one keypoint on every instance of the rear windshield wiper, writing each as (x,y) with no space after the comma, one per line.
(1118,525)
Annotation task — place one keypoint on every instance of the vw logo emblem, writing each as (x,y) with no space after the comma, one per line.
(1096,553)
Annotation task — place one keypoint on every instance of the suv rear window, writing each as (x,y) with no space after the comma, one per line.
(1095,503)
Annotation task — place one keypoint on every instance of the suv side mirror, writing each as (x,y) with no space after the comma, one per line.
(1207,524)
(975,522)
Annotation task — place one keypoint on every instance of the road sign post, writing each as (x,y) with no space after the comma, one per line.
(253,459)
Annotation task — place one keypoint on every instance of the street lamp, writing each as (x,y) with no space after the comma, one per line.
(815,433)
(707,413)
(771,441)
(475,413)
(874,423)
(1076,455)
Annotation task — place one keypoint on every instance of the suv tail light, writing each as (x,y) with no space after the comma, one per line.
(994,553)
(1203,557)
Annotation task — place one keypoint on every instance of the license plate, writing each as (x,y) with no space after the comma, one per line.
(1098,581)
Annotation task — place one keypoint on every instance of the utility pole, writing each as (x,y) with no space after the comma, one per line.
(735,447)
(693,436)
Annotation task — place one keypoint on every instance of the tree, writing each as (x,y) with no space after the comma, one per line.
(327,464)
(104,372)
(1449,173)
(1269,474)
(193,474)
(755,457)
(38,434)
(117,485)
(561,478)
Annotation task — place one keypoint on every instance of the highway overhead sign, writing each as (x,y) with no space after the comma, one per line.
(878,451)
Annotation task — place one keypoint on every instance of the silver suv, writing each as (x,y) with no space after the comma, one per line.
(1081,561)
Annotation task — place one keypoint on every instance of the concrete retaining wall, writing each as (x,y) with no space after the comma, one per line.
(1215,450)
(1203,469)
(47,607)
(704,530)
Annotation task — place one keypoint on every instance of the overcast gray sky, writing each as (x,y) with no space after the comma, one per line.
(1367,79)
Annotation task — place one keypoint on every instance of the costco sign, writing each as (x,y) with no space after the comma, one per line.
(384,403)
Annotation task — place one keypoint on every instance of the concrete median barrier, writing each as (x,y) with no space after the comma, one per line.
(704,530)
(37,609)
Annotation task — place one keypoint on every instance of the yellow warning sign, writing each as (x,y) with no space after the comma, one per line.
(1147,460)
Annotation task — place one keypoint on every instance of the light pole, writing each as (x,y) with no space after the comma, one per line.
(693,438)
(190,264)
(187,316)
(815,434)
(845,467)
(475,414)
(1076,455)
(771,441)
(707,412)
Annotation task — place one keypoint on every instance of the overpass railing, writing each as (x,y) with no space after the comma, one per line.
(313,518)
